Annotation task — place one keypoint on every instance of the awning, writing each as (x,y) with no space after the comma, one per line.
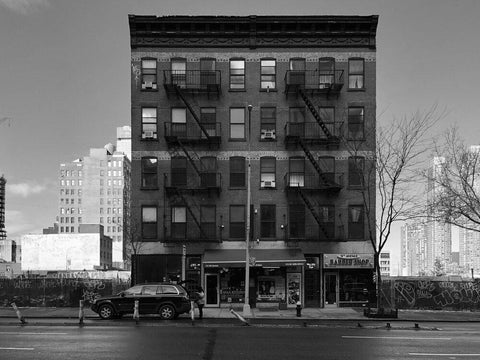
(258,257)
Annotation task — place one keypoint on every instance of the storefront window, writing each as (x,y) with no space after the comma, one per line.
(355,285)
(271,286)
(232,285)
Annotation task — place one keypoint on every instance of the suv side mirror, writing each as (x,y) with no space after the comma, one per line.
(122,294)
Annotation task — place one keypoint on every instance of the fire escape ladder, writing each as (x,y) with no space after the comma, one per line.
(192,111)
(190,211)
(312,210)
(315,113)
(192,156)
(313,161)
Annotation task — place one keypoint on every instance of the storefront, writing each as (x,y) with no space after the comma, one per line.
(276,277)
(348,279)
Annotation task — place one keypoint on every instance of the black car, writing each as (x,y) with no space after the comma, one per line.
(165,299)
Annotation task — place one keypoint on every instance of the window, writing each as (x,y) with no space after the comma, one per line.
(179,222)
(237,74)
(179,72)
(356,123)
(327,165)
(208,118)
(207,72)
(149,222)
(356,166)
(296,220)
(267,221)
(356,69)
(149,123)
(149,173)
(179,122)
(267,74)
(296,121)
(268,119)
(267,172)
(327,114)
(207,221)
(209,173)
(297,72)
(149,74)
(356,228)
(237,171)
(327,217)
(237,123)
(296,172)
(179,171)
(237,221)
(326,73)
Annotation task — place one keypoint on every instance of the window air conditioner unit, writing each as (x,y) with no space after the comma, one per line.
(149,85)
(267,184)
(267,135)
(148,134)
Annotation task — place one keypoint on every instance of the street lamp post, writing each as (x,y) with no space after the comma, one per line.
(246,307)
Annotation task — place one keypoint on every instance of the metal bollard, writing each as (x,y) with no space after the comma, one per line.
(19,315)
(192,312)
(136,314)
(299,309)
(81,313)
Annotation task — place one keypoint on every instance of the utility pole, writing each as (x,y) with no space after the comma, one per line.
(246,307)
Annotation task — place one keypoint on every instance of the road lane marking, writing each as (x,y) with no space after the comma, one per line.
(425,354)
(395,337)
(30,333)
(11,348)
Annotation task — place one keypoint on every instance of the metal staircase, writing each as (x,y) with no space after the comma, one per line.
(178,91)
(313,161)
(312,210)
(315,114)
(189,206)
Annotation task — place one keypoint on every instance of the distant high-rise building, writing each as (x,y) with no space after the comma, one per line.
(124,140)
(95,189)
(385,263)
(469,250)
(3,233)
(439,233)
(414,249)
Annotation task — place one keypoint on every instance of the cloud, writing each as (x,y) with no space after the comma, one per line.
(24,7)
(25,189)
(17,224)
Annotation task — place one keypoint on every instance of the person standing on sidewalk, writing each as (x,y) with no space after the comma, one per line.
(200,301)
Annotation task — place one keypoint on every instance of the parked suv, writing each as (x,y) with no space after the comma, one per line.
(166,299)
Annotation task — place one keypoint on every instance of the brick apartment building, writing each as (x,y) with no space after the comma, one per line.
(285,96)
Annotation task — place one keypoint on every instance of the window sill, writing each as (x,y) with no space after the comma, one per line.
(269,90)
(237,90)
(149,90)
(148,140)
(268,188)
(237,188)
(356,90)
(237,140)
(268,140)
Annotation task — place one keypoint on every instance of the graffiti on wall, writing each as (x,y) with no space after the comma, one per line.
(430,294)
(57,292)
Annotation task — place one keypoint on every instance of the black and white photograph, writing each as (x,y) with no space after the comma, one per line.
(254,180)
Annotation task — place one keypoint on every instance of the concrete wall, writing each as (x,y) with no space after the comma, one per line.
(65,252)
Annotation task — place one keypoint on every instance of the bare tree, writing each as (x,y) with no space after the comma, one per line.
(456,184)
(133,247)
(390,175)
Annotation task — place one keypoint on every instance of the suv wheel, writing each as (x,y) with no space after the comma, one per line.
(166,312)
(105,311)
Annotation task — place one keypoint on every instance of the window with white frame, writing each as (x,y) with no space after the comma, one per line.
(268,74)
(149,123)
(267,172)
(149,74)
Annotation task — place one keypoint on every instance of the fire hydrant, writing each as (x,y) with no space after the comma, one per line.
(299,309)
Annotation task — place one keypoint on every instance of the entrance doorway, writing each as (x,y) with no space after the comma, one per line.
(331,289)
(312,288)
(211,290)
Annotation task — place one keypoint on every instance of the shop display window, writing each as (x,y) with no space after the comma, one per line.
(355,286)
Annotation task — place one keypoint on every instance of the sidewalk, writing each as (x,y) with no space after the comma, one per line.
(352,314)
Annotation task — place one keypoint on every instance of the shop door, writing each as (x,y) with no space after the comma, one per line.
(331,289)
(211,290)
(312,288)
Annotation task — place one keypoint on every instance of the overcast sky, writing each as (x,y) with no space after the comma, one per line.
(65,76)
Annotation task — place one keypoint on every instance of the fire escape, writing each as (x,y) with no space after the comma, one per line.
(182,141)
(306,84)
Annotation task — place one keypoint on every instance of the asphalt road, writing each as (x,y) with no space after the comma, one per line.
(217,342)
